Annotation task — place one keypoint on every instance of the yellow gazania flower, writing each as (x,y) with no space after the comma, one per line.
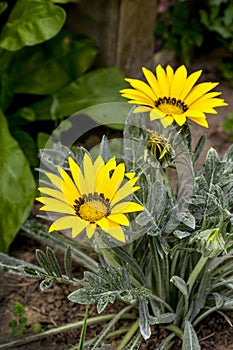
(91,198)
(170,96)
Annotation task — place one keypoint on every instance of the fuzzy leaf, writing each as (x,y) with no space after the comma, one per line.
(53,262)
(68,263)
(145,320)
(190,340)
(46,284)
(187,218)
(181,285)
(103,288)
(199,147)
(168,317)
(43,261)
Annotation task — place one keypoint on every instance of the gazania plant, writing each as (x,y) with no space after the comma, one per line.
(159,231)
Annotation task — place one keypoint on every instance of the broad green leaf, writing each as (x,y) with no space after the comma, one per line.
(59,61)
(17,186)
(6,91)
(99,86)
(42,139)
(190,340)
(31,22)
(27,145)
(3,6)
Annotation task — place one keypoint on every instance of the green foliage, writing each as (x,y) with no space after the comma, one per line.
(19,325)
(17,189)
(45,76)
(179,30)
(31,22)
(218,18)
(228,125)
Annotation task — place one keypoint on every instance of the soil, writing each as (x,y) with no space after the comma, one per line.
(51,308)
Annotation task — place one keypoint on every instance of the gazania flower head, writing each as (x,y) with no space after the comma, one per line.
(173,96)
(94,197)
(160,147)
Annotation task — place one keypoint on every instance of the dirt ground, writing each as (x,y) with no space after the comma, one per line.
(51,308)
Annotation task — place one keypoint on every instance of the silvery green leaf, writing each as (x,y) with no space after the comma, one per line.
(228,156)
(190,340)
(226,318)
(168,317)
(202,294)
(187,218)
(104,301)
(143,319)
(56,156)
(182,234)
(53,262)
(211,165)
(135,343)
(19,267)
(164,345)
(219,300)
(181,285)
(199,147)
(68,263)
(42,260)
(104,150)
(103,288)
(46,284)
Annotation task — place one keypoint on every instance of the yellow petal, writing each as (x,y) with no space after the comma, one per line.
(78,176)
(162,81)
(125,191)
(170,77)
(102,177)
(137,95)
(166,121)
(143,87)
(56,206)
(198,91)
(64,223)
(112,228)
(126,207)
(178,82)
(190,82)
(90,230)
(68,187)
(99,162)
(52,193)
(115,181)
(141,109)
(152,82)
(119,218)
(81,225)
(180,119)
(89,173)
(200,121)
(56,180)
